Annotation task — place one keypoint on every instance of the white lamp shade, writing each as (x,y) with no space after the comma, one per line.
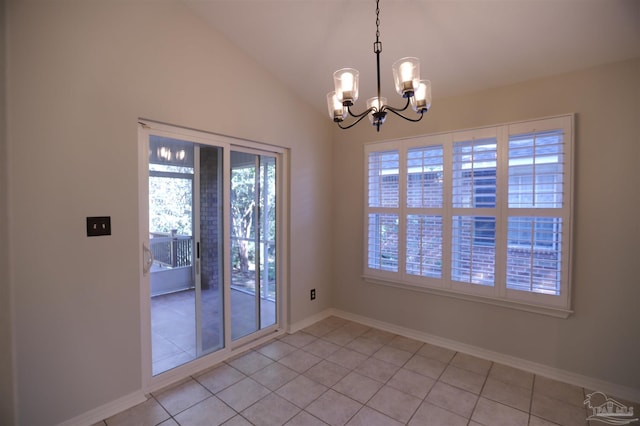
(337,111)
(406,75)
(377,104)
(346,85)
(421,100)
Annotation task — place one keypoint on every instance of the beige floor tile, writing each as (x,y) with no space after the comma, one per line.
(453,399)
(211,411)
(305,419)
(504,393)
(182,396)
(335,322)
(169,422)
(149,412)
(471,363)
(250,362)
(537,421)
(432,415)
(321,348)
(301,391)
(334,408)
(356,329)
(369,417)
(327,373)
(242,394)
(406,344)
(378,370)
(436,352)
(299,361)
(558,390)
(298,339)
(379,336)
(358,387)
(464,379)
(557,411)
(237,421)
(220,377)
(392,355)
(270,410)
(364,346)
(426,366)
(276,349)
(319,329)
(512,376)
(395,404)
(491,413)
(412,383)
(347,358)
(340,336)
(274,375)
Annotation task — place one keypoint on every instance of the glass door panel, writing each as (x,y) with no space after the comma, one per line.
(253,258)
(185,239)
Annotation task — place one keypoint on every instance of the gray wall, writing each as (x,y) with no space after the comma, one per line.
(80,75)
(601,339)
(6,366)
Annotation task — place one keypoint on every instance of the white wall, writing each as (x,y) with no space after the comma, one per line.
(601,339)
(79,76)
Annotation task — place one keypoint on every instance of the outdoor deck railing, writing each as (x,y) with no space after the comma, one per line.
(173,251)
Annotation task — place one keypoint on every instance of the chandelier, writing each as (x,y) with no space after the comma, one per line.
(406,76)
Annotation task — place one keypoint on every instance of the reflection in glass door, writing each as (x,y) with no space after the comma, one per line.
(253,243)
(185,238)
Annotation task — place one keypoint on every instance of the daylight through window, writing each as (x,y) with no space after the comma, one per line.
(483,213)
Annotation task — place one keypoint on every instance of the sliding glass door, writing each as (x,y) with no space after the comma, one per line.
(211,245)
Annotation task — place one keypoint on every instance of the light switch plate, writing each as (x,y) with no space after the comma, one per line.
(98,226)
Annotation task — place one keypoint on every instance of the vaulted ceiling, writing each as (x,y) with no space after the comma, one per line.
(464,45)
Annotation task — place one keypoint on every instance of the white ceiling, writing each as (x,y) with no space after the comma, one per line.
(464,45)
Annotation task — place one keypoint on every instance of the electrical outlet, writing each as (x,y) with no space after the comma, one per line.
(313,294)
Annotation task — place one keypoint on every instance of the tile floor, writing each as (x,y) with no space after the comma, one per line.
(339,372)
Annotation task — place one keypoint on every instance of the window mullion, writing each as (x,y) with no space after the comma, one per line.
(502,198)
(447,211)
(402,214)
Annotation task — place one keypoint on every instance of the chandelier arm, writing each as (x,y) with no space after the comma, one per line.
(361,116)
(415,120)
(396,110)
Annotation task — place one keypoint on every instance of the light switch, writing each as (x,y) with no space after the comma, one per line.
(97,226)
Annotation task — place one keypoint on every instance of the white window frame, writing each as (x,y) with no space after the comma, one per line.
(498,293)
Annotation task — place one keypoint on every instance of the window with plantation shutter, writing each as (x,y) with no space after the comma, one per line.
(483,214)
(534,223)
(383,200)
(474,203)
(424,201)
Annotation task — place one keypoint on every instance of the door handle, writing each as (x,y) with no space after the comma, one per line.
(147,259)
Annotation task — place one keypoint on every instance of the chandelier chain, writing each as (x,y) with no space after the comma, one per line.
(377,20)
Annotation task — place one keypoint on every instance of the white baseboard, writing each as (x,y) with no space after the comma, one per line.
(107,410)
(311,320)
(611,389)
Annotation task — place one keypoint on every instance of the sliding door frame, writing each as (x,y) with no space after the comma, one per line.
(146,128)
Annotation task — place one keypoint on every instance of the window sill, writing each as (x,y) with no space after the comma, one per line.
(511,304)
